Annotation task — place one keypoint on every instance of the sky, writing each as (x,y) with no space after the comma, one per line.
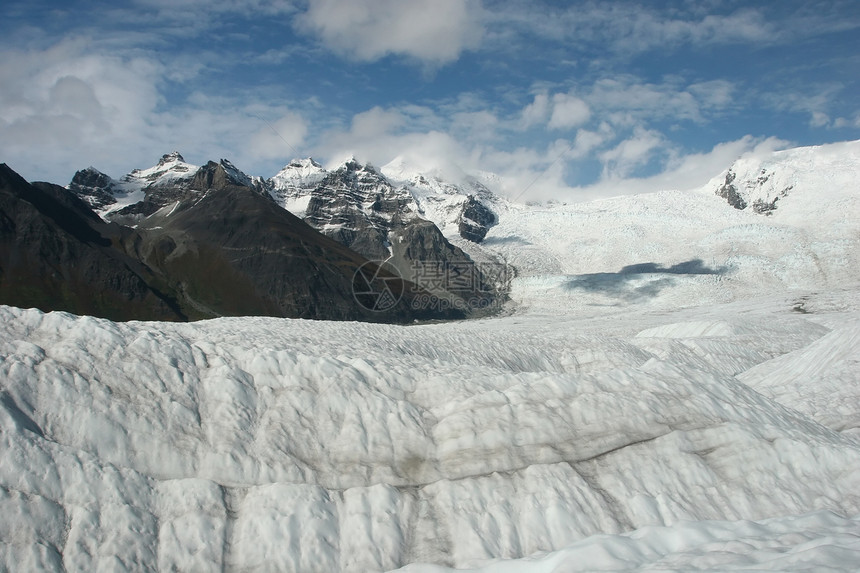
(561,100)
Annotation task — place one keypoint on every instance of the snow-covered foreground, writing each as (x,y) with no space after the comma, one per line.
(284,445)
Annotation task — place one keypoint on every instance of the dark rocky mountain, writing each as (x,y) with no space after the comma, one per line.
(354,205)
(475,220)
(359,207)
(220,248)
(94,187)
(56,254)
(232,246)
(760,192)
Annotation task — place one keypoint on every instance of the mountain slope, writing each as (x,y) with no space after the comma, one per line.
(361,208)
(56,254)
(354,205)
(762,184)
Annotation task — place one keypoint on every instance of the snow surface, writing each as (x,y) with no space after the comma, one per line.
(819,542)
(674,387)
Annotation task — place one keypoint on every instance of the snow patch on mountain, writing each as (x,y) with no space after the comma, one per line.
(107,195)
(170,169)
(291,187)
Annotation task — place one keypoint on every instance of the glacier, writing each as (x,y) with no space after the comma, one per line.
(673,387)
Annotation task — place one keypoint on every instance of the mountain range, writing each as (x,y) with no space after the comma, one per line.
(179,241)
(189,242)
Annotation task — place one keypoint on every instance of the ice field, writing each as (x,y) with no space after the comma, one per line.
(674,386)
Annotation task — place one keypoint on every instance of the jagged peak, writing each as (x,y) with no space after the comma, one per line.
(172,157)
(306,162)
(90,177)
(235,173)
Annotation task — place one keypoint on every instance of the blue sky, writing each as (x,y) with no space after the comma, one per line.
(567,100)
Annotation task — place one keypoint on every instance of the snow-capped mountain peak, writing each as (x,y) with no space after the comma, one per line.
(762,183)
(291,186)
(172,157)
(299,169)
(169,169)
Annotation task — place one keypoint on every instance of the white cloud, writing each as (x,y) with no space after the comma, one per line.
(587,141)
(843,122)
(622,28)
(682,172)
(714,94)
(280,139)
(433,32)
(561,111)
(536,112)
(376,122)
(816,103)
(631,153)
(62,106)
(819,119)
(568,111)
(380,135)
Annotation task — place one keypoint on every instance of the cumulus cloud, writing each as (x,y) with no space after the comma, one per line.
(65,104)
(816,101)
(536,112)
(587,141)
(433,32)
(379,135)
(631,153)
(714,94)
(65,107)
(561,111)
(281,138)
(568,111)
(627,93)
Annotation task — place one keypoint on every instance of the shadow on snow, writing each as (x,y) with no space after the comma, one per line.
(627,284)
